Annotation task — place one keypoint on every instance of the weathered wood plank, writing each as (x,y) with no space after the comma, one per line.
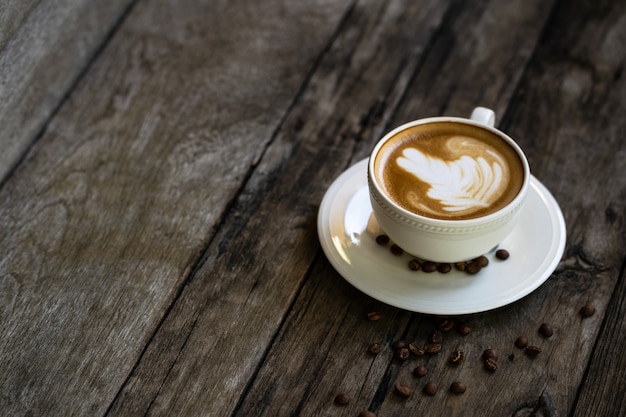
(290,372)
(602,392)
(160,190)
(105,218)
(44,46)
(12,13)
(226,317)
(291,380)
(576,86)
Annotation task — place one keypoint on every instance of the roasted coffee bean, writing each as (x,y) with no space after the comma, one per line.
(342,399)
(374,316)
(403,390)
(402,354)
(502,254)
(398,344)
(532,350)
(428,266)
(444,268)
(483,261)
(490,354)
(430,388)
(587,310)
(445,324)
(396,250)
(546,330)
(415,265)
(367,414)
(460,266)
(473,268)
(463,329)
(457,387)
(457,357)
(420,371)
(432,348)
(382,239)
(374,348)
(521,342)
(491,365)
(436,337)
(416,349)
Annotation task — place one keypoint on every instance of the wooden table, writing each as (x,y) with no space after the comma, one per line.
(163,164)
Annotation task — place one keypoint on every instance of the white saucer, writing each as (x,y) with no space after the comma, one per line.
(347,231)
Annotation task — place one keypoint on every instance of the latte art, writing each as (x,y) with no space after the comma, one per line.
(474,179)
(448,170)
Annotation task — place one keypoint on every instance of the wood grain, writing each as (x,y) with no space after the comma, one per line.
(158,242)
(12,14)
(103,221)
(308,366)
(44,47)
(576,86)
(303,378)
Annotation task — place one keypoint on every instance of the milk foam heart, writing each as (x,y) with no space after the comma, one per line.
(449,170)
(473,179)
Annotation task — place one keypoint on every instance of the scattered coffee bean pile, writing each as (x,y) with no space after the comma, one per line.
(471,267)
(403,351)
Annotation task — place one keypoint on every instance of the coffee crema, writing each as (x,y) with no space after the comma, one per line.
(449,170)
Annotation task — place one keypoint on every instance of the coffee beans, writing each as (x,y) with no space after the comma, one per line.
(445,324)
(546,330)
(403,390)
(432,348)
(429,266)
(457,357)
(367,414)
(457,387)
(396,250)
(374,316)
(342,399)
(464,356)
(420,371)
(430,388)
(502,254)
(490,354)
(491,365)
(490,358)
(471,267)
(521,342)
(463,329)
(402,354)
(532,350)
(482,261)
(416,350)
(587,310)
(374,348)
(382,240)
(415,265)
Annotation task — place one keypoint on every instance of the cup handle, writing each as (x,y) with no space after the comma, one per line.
(484,115)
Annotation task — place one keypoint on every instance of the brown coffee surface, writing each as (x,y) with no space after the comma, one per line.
(449,170)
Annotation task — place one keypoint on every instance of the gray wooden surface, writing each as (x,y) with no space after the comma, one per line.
(45,46)
(163,172)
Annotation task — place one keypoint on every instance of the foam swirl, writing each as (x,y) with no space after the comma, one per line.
(471,180)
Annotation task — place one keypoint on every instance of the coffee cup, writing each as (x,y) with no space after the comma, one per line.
(448,189)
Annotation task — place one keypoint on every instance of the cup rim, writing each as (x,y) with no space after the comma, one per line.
(516,201)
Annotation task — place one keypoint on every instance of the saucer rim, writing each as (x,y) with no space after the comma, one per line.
(545,266)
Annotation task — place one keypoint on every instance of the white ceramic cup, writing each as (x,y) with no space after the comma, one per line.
(442,240)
